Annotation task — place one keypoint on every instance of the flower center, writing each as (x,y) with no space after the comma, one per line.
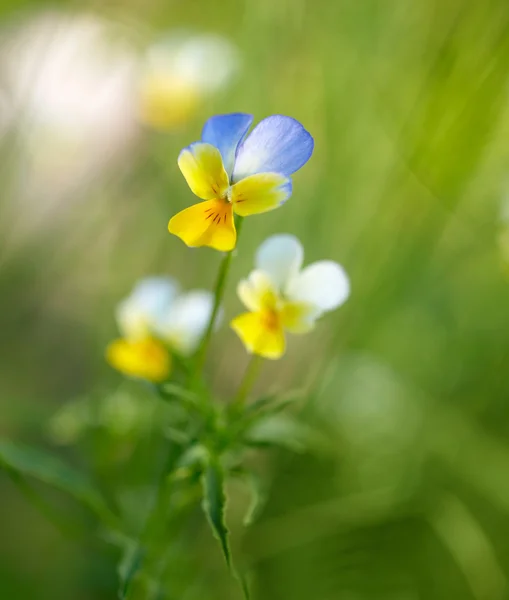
(227,196)
(270,319)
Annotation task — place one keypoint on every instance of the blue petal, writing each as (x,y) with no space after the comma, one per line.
(225,132)
(277,144)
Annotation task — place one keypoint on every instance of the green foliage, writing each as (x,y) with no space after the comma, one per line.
(388,481)
(51,470)
(127,569)
(214,504)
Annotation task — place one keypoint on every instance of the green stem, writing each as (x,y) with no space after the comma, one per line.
(224,269)
(250,376)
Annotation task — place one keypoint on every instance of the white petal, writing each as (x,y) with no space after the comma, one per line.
(324,284)
(183,325)
(257,292)
(280,256)
(138,313)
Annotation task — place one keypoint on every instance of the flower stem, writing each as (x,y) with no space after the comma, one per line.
(246,385)
(224,269)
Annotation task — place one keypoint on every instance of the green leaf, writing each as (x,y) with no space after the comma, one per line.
(284,431)
(174,391)
(128,567)
(50,470)
(214,504)
(258,490)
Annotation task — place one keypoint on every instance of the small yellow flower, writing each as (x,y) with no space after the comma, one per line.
(281,297)
(236,175)
(179,72)
(156,320)
(144,359)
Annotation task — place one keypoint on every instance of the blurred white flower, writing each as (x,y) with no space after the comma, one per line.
(157,308)
(68,89)
(179,72)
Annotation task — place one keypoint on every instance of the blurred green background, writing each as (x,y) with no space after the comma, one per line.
(408,103)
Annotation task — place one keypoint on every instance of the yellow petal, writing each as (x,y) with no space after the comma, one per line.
(257,292)
(167,102)
(261,333)
(207,223)
(260,193)
(298,317)
(202,166)
(145,359)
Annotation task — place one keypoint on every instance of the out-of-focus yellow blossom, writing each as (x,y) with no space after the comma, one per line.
(280,296)
(155,320)
(236,175)
(180,71)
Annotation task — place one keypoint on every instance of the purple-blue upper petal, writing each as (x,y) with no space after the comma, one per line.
(277,144)
(225,132)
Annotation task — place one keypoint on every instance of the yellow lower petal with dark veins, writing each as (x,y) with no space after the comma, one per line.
(144,359)
(261,333)
(260,193)
(208,223)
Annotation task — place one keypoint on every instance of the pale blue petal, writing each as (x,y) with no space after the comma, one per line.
(225,132)
(277,144)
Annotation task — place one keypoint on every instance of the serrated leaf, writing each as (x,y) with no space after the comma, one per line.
(49,469)
(128,567)
(214,504)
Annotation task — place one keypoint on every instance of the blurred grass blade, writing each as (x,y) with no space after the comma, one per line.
(50,470)
(258,491)
(214,504)
(127,569)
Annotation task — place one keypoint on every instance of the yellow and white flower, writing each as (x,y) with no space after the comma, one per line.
(179,72)
(155,320)
(281,296)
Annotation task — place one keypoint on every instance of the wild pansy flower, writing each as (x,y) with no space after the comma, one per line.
(236,175)
(155,320)
(281,296)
